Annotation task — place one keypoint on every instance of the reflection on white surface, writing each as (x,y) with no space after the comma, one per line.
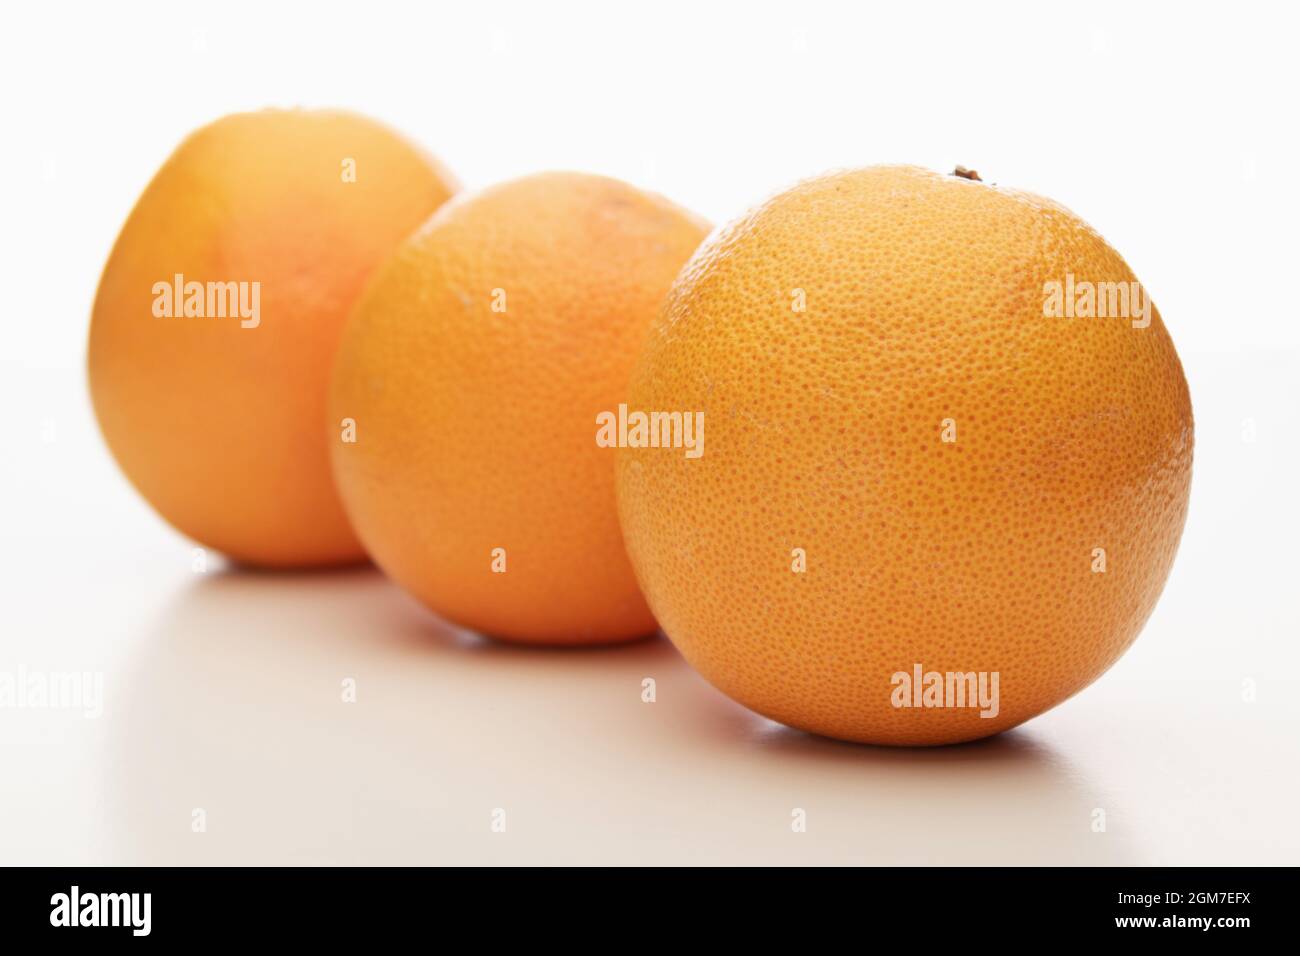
(234,706)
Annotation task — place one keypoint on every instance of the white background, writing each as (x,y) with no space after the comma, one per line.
(1170,127)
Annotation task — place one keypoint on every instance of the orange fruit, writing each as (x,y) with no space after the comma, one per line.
(908,462)
(474,369)
(212,399)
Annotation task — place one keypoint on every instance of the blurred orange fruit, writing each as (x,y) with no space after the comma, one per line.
(219,311)
(474,369)
(909,464)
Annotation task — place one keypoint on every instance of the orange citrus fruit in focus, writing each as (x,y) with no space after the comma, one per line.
(474,368)
(212,403)
(907,462)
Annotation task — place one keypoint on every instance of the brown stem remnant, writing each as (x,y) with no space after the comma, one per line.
(965,173)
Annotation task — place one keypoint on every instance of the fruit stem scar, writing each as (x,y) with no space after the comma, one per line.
(965,173)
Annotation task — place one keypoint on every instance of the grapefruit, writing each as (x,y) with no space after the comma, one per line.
(474,370)
(925,457)
(218,313)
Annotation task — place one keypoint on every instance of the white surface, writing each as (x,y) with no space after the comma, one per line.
(1167,127)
